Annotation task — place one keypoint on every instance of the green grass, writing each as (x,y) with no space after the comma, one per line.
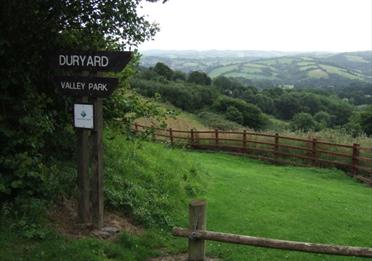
(317,73)
(55,247)
(222,70)
(340,71)
(244,196)
(355,58)
(305,204)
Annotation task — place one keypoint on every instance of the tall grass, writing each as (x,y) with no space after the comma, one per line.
(150,184)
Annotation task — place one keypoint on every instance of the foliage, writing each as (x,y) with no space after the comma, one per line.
(140,179)
(35,120)
(216,121)
(163,70)
(366,121)
(303,121)
(189,97)
(199,78)
(252,115)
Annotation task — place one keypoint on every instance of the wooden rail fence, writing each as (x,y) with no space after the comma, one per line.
(197,235)
(354,159)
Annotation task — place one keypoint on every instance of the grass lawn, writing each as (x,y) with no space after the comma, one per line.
(245,197)
(249,197)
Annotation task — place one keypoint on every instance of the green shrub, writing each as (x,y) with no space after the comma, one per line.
(216,121)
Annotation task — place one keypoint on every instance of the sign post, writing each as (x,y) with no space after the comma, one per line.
(97,178)
(88,118)
(83,171)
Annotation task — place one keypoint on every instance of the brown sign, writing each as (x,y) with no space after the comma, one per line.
(91,60)
(85,86)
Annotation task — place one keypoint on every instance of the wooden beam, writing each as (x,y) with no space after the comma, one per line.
(274,243)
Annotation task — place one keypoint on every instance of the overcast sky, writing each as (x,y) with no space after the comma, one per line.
(280,25)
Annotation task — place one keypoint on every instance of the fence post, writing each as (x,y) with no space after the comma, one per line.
(313,151)
(276,146)
(355,160)
(197,221)
(216,137)
(135,127)
(245,139)
(192,136)
(171,135)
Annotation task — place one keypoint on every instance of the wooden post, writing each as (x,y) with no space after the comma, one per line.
(135,128)
(313,151)
(83,173)
(153,134)
(97,178)
(216,137)
(197,221)
(192,136)
(245,139)
(276,146)
(355,160)
(171,135)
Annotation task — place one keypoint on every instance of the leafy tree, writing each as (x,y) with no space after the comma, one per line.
(311,103)
(35,127)
(323,118)
(366,121)
(179,76)
(287,106)
(265,103)
(163,70)
(233,114)
(252,115)
(303,121)
(199,78)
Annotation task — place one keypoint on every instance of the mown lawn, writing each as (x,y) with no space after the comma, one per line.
(304,204)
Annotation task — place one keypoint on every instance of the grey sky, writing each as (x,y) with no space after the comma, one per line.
(282,25)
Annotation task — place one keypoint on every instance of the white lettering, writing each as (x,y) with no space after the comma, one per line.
(75,60)
(82,59)
(90,61)
(104,61)
(62,60)
(97,61)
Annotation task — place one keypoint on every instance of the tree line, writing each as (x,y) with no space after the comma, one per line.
(305,109)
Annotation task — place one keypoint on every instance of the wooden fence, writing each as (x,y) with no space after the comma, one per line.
(197,235)
(354,159)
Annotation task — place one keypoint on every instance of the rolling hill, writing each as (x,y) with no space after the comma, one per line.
(287,69)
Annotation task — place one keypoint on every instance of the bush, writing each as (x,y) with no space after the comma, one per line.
(303,121)
(216,121)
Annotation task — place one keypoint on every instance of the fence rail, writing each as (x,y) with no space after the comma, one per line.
(355,159)
(197,235)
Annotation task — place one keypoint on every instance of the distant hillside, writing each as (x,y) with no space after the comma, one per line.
(191,60)
(306,69)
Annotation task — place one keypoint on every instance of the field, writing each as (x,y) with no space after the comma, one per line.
(244,196)
(304,204)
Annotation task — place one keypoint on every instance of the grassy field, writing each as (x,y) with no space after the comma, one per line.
(244,196)
(305,204)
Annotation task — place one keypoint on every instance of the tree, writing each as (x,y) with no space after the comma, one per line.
(303,121)
(33,117)
(366,121)
(323,118)
(163,70)
(252,115)
(233,114)
(199,78)
(286,106)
